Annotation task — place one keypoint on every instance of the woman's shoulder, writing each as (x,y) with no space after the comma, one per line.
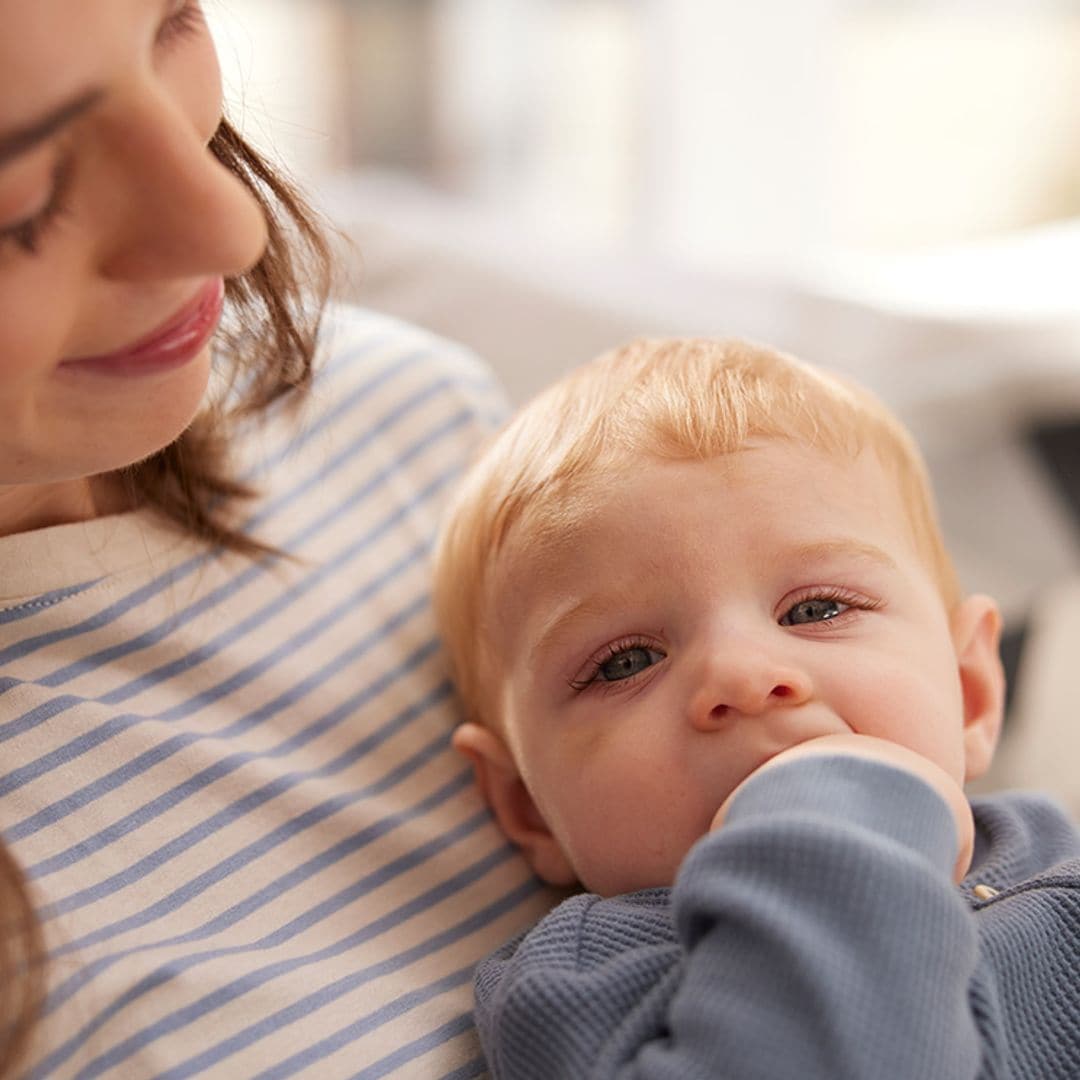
(360,340)
(391,406)
(381,389)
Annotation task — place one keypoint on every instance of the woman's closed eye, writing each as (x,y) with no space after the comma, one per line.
(618,662)
(26,234)
(182,18)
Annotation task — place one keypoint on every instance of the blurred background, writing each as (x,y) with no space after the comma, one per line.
(888,187)
(712,131)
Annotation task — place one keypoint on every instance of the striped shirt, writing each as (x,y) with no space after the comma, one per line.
(229,780)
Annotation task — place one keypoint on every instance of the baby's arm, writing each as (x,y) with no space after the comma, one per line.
(847,952)
(888,753)
(817,934)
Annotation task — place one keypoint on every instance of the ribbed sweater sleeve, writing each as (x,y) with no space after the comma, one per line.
(817,934)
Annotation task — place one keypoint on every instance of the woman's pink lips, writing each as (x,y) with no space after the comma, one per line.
(180,339)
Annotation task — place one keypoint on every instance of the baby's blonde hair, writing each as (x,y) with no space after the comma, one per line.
(683,399)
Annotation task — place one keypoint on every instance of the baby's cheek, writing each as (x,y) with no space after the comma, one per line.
(922,711)
(637,838)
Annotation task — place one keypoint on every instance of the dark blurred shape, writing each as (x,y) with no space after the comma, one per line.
(1057,444)
(388,52)
(1012,647)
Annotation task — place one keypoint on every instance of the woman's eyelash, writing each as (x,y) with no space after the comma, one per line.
(27,234)
(185,20)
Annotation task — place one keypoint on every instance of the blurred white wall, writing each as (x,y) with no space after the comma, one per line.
(541,114)
(711,132)
(744,127)
(966,121)
(780,128)
(283,78)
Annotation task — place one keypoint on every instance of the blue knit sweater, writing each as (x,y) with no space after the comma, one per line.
(818,934)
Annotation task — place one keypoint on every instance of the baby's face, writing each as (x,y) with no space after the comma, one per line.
(708,616)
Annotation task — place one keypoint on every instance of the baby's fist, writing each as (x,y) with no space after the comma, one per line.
(889,753)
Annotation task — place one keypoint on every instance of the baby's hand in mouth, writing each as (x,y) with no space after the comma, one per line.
(889,753)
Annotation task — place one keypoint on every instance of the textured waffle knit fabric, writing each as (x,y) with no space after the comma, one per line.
(817,935)
(229,780)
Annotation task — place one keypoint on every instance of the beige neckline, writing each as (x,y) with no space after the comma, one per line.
(63,556)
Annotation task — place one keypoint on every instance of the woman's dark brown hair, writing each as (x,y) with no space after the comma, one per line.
(273,320)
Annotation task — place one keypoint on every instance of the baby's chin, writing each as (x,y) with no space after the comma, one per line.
(610,881)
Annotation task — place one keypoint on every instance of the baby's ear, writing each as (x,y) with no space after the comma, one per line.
(501,785)
(976,632)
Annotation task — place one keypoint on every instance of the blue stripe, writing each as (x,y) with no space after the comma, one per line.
(162,751)
(46,600)
(332,360)
(347,455)
(177,574)
(305,432)
(114,725)
(484,383)
(274,889)
(175,968)
(372,881)
(476,1067)
(172,902)
(251,801)
(96,621)
(294,543)
(303,1007)
(366,1024)
(412,1050)
(50,709)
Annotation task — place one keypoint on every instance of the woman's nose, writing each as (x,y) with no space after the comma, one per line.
(741,677)
(176,210)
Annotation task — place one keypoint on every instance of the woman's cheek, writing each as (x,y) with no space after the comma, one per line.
(41,296)
(32,331)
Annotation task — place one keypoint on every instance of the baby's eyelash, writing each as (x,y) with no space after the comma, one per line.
(831,592)
(826,594)
(592,674)
(27,234)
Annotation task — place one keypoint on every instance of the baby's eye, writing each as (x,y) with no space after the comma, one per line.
(816,609)
(627,662)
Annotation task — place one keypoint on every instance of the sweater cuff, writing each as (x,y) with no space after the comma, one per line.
(853,791)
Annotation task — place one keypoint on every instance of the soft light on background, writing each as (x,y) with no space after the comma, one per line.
(812,136)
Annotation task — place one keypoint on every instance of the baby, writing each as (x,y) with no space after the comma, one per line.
(718,671)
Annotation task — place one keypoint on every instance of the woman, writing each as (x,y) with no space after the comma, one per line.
(235,833)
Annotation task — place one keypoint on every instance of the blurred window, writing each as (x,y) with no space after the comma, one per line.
(711,130)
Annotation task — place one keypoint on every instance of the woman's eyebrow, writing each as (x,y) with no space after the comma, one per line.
(23,139)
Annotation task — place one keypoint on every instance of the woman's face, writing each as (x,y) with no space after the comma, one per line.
(117,226)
